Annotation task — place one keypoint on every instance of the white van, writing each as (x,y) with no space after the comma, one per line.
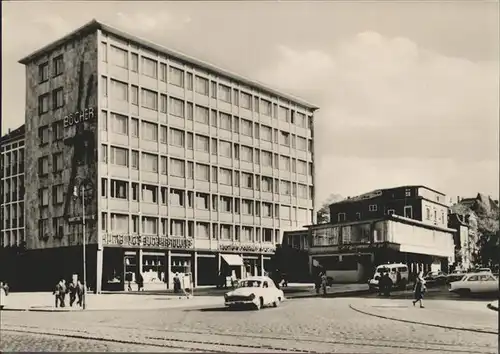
(393,274)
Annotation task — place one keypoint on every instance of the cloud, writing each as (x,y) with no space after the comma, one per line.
(387,105)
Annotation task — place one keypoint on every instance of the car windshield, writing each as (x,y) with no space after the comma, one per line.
(382,269)
(249,284)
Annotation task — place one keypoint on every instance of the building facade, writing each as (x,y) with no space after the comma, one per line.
(465,238)
(405,224)
(182,166)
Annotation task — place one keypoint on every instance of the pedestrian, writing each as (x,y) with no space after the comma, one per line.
(140,282)
(177,283)
(381,284)
(80,292)
(3,295)
(398,278)
(60,293)
(324,282)
(128,279)
(419,290)
(388,285)
(72,293)
(6,288)
(317,283)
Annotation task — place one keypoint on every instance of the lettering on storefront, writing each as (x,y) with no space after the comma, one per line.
(78,117)
(146,241)
(349,248)
(246,248)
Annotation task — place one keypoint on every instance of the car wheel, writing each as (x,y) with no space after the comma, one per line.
(259,304)
(276,303)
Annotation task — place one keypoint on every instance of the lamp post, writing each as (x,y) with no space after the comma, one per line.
(75,193)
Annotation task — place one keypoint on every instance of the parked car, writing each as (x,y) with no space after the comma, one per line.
(257,291)
(392,269)
(455,276)
(483,270)
(475,283)
(436,277)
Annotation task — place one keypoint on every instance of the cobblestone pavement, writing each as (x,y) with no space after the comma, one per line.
(307,325)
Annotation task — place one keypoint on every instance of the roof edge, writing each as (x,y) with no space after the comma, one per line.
(96,25)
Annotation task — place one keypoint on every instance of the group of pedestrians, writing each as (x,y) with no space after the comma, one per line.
(75,290)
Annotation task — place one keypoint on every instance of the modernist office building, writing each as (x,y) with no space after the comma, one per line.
(184,166)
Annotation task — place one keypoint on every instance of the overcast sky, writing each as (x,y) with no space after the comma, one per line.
(409,92)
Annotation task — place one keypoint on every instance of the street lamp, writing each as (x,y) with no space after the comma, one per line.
(75,194)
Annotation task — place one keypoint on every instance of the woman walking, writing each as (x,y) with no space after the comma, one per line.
(419,290)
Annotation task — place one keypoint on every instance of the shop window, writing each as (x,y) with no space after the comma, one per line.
(153,268)
(180,265)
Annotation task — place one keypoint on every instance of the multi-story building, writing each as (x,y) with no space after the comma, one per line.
(12,188)
(465,238)
(292,256)
(12,235)
(406,224)
(185,167)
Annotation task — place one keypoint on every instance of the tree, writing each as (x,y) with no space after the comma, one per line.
(323,214)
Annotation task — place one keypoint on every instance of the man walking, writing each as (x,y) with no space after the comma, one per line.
(60,293)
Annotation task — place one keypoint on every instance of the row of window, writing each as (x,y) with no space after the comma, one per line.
(408,212)
(11,238)
(12,146)
(12,160)
(12,216)
(201,85)
(121,124)
(57,100)
(12,189)
(44,69)
(146,225)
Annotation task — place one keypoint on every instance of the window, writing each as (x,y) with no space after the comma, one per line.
(428,213)
(284,138)
(149,162)
(57,162)
(301,119)
(58,65)
(283,114)
(202,230)
(246,127)
(226,232)
(285,163)
(202,201)
(390,211)
(119,90)
(341,217)
(225,93)
(134,93)
(301,167)
(247,207)
(202,172)
(134,127)
(177,168)
(266,107)
(149,225)
(104,86)
(246,154)
(119,189)
(57,98)
(372,207)
(202,143)
(119,223)
(202,115)
(201,85)
(176,77)
(43,104)
(43,165)
(119,156)
(58,128)
(189,110)
(408,212)
(236,125)
(44,196)
(407,192)
(266,133)
(225,121)
(119,57)
(302,191)
(149,67)
(58,194)
(285,212)
(256,104)
(266,158)
(225,176)
(149,99)
(134,62)
(189,142)
(163,134)
(104,153)
(43,72)
(214,89)
(176,137)
(149,131)
(247,180)
(189,81)
(285,188)
(267,184)
(43,135)
(149,193)
(246,100)
(176,197)
(176,107)
(177,228)
(301,143)
(119,124)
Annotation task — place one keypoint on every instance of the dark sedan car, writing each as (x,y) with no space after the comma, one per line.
(436,277)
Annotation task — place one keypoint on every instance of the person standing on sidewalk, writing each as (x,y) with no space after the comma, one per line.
(72,293)
(419,290)
(140,282)
(80,292)
(60,293)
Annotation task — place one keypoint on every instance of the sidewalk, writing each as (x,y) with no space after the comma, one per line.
(459,315)
(44,301)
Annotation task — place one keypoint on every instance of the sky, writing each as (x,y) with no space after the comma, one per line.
(408,91)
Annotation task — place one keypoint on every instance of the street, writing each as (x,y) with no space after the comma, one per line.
(298,325)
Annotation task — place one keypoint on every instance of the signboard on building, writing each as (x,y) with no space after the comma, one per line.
(235,247)
(126,240)
(84,115)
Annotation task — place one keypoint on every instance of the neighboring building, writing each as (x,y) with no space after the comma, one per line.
(292,256)
(12,188)
(406,224)
(465,238)
(12,235)
(186,167)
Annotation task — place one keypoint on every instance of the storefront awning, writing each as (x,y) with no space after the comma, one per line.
(232,259)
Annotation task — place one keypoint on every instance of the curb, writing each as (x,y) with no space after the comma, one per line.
(331,295)
(424,323)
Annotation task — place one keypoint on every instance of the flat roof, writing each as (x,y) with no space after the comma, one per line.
(98,25)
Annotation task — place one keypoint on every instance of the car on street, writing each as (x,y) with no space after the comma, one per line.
(475,283)
(436,277)
(455,276)
(257,291)
(392,269)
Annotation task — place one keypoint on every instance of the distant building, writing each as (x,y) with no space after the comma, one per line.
(406,224)
(292,256)
(465,238)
